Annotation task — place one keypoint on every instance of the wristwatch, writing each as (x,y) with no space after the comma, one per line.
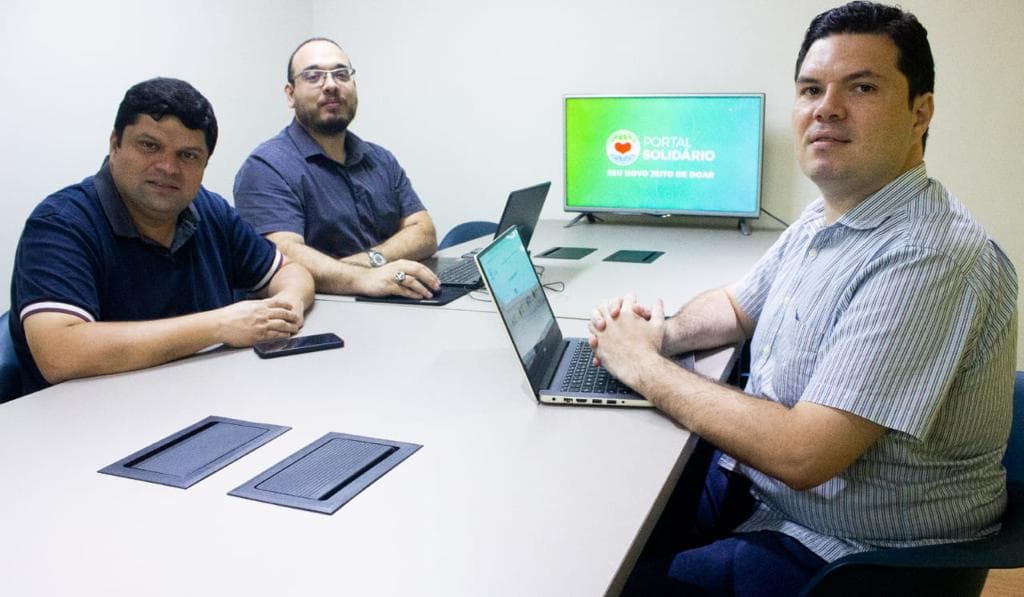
(376,259)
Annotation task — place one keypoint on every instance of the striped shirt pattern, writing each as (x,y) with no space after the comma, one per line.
(903,312)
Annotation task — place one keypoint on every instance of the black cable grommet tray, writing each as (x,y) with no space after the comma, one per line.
(327,473)
(195,452)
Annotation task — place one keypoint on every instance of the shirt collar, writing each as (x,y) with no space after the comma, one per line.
(355,148)
(121,221)
(890,199)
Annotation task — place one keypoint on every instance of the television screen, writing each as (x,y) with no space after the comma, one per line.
(664,154)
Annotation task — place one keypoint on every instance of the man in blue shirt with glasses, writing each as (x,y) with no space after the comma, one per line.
(339,205)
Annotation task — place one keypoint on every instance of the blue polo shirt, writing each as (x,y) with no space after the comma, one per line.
(288,184)
(80,254)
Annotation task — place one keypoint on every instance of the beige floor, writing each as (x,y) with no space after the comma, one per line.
(1004,583)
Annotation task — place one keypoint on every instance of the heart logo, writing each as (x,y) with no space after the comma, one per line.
(622,147)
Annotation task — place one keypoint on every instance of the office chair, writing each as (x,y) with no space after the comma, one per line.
(467,231)
(951,569)
(10,368)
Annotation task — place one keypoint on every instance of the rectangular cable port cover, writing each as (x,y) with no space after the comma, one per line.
(195,452)
(327,473)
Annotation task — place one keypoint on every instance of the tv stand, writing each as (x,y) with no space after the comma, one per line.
(743,226)
(591,218)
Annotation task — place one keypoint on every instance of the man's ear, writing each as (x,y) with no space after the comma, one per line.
(289,94)
(923,109)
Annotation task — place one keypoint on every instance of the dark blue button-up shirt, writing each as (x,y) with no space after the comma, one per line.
(288,184)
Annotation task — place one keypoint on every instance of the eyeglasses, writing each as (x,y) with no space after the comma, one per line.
(318,77)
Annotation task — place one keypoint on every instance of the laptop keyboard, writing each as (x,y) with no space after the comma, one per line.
(583,376)
(463,273)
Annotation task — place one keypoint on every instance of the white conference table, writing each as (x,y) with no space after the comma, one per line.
(506,497)
(695,260)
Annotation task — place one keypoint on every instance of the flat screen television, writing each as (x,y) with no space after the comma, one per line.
(686,154)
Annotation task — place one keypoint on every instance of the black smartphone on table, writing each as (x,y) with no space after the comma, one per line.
(297,345)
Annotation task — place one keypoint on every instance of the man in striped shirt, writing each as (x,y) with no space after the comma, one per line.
(883,326)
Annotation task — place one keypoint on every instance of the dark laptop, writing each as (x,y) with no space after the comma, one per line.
(522,209)
(559,369)
(459,275)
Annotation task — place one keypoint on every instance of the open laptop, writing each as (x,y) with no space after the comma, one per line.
(459,275)
(522,209)
(559,369)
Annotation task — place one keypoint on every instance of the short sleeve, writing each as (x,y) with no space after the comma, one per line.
(409,201)
(255,259)
(895,348)
(56,267)
(265,200)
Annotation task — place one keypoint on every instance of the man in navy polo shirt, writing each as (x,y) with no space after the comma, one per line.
(331,201)
(137,265)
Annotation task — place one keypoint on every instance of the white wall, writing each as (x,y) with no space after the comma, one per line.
(467,93)
(66,65)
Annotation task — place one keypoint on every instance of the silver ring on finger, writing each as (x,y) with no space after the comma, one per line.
(399,277)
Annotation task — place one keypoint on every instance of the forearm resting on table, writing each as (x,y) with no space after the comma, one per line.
(294,284)
(710,320)
(330,275)
(802,446)
(66,347)
(416,239)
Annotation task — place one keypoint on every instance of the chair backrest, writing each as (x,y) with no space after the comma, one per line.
(467,231)
(950,569)
(10,368)
(1014,458)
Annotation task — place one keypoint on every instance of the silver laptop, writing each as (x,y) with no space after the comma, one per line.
(559,369)
(522,209)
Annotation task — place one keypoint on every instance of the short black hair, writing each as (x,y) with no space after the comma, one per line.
(290,74)
(915,54)
(164,96)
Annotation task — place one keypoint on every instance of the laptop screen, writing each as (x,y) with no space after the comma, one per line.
(523,210)
(519,297)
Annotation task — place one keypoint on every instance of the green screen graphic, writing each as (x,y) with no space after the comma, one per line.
(664,154)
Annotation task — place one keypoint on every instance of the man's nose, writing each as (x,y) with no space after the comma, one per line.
(167,163)
(830,105)
(329,81)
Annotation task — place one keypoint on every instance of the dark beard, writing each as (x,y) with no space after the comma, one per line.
(332,127)
(311,121)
